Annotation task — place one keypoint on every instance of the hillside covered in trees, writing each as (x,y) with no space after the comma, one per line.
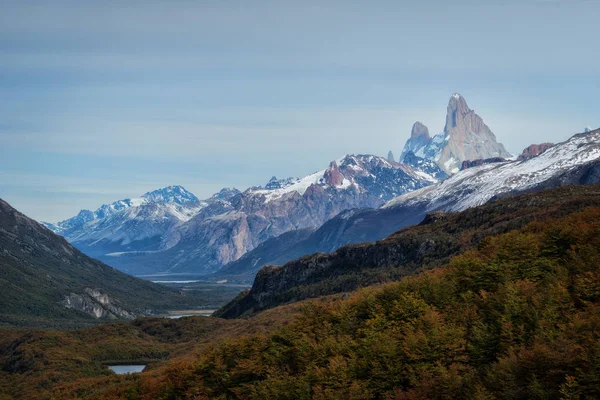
(515,316)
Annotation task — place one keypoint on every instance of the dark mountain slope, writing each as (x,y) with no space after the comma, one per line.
(408,251)
(47,282)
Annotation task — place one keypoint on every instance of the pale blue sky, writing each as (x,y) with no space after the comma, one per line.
(106,100)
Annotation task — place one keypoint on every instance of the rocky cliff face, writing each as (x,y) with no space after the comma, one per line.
(535,150)
(96,304)
(465,137)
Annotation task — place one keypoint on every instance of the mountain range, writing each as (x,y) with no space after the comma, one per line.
(575,161)
(426,245)
(156,234)
(356,198)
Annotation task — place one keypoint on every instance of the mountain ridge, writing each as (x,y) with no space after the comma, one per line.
(574,161)
(200,236)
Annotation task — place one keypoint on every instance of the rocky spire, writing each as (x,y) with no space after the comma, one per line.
(419,131)
(534,150)
(456,112)
(390,157)
(419,139)
(467,137)
(332,175)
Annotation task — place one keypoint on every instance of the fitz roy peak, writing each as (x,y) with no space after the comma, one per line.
(465,138)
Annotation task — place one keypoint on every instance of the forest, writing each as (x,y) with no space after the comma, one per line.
(517,317)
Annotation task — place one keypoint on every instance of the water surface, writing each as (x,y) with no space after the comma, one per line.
(126,369)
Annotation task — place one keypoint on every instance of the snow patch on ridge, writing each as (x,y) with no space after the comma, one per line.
(477,185)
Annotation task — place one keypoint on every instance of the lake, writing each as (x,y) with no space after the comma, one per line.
(189,313)
(126,369)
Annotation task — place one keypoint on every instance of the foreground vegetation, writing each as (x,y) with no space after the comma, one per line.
(517,317)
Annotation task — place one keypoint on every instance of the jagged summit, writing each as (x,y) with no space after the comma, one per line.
(225,194)
(419,131)
(275,183)
(170,194)
(418,142)
(457,108)
(171,200)
(465,137)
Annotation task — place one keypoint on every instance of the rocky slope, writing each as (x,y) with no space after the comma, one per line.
(575,161)
(465,137)
(410,250)
(46,282)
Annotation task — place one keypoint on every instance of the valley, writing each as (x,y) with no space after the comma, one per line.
(299,200)
(457,271)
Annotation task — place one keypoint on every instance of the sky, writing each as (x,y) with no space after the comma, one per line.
(107,100)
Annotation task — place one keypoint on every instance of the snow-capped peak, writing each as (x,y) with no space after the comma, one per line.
(352,172)
(475,186)
(170,194)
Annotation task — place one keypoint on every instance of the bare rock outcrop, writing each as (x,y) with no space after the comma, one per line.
(534,150)
(465,137)
(96,304)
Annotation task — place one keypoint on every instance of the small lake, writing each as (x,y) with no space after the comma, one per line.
(126,369)
(188,313)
